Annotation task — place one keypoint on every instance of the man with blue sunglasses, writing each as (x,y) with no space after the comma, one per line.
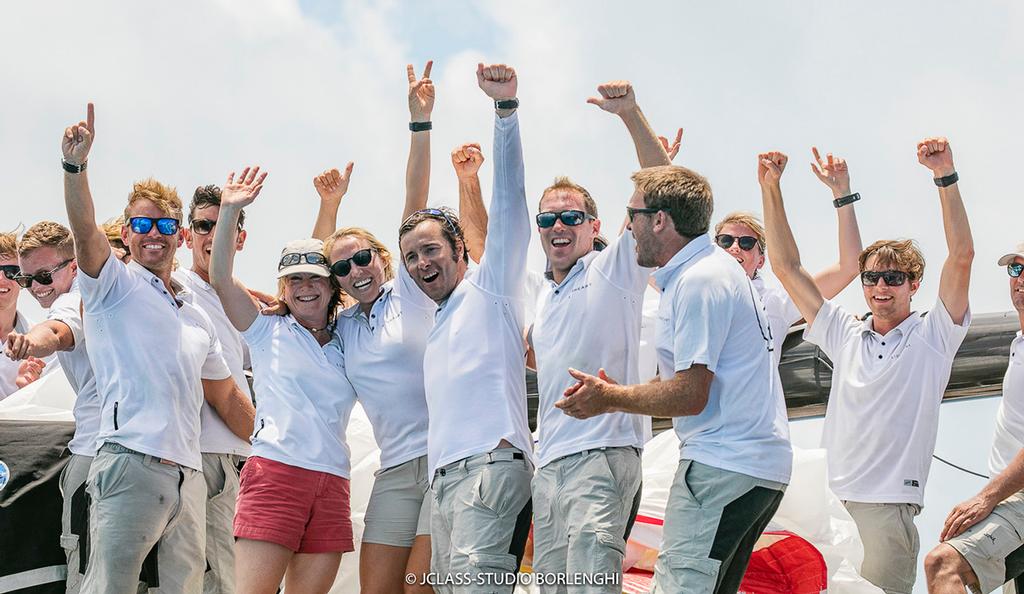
(156,358)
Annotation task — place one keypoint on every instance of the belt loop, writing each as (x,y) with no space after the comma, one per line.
(464,464)
(490,457)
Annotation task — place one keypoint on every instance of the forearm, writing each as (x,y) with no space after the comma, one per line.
(508,206)
(472,215)
(417,173)
(326,221)
(1007,482)
(669,398)
(785,257)
(91,247)
(222,255)
(957,227)
(649,150)
(236,410)
(44,340)
(834,278)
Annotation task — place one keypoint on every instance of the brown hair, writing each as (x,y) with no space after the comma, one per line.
(164,197)
(901,254)
(745,218)
(47,234)
(684,194)
(564,183)
(209,195)
(450,227)
(375,244)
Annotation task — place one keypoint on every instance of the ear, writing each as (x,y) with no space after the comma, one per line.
(188,237)
(240,241)
(914,286)
(760,260)
(124,234)
(181,237)
(597,227)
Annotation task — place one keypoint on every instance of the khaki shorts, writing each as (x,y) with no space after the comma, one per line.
(987,544)
(399,506)
(220,472)
(891,543)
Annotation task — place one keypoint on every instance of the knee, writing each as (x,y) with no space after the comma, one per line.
(941,563)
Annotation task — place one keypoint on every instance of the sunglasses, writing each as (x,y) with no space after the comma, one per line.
(1014,269)
(725,241)
(205,226)
(143,225)
(44,278)
(315,258)
(569,218)
(632,212)
(436,213)
(11,271)
(361,258)
(893,278)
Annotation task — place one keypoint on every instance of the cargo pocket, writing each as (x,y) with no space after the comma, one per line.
(676,573)
(492,571)
(69,542)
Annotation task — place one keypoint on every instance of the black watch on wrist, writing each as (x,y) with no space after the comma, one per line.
(420,126)
(506,103)
(948,180)
(843,201)
(71,167)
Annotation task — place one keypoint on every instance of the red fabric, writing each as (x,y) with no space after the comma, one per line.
(790,565)
(304,510)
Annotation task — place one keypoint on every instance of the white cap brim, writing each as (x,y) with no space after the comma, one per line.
(300,268)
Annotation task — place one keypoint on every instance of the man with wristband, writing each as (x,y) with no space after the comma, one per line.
(889,371)
(479,448)
(155,358)
(981,533)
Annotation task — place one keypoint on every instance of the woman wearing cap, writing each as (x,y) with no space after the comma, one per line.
(292,518)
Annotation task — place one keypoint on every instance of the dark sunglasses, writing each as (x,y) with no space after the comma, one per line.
(205,226)
(143,225)
(315,258)
(437,213)
(725,241)
(893,278)
(1014,269)
(569,218)
(11,271)
(343,267)
(632,212)
(44,278)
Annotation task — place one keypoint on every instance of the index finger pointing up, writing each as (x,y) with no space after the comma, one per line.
(426,69)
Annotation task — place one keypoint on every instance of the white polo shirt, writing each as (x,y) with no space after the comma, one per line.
(9,368)
(384,363)
(304,397)
(150,353)
(474,365)
(67,309)
(648,334)
(1009,436)
(710,315)
(589,321)
(215,437)
(883,407)
(781,313)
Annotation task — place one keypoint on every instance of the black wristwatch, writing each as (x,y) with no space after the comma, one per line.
(843,201)
(506,103)
(420,126)
(71,167)
(948,180)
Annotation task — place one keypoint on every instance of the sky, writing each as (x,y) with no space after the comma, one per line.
(188,91)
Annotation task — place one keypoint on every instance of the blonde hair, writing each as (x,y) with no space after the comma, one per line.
(164,197)
(8,245)
(375,244)
(901,254)
(684,194)
(47,234)
(749,219)
(564,183)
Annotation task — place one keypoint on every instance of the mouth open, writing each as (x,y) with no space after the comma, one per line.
(560,242)
(307,298)
(429,278)
(43,294)
(362,284)
(153,246)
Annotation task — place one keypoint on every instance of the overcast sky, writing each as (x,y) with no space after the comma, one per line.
(187,91)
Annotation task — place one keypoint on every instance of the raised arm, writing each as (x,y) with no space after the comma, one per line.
(935,154)
(785,258)
(239,306)
(91,247)
(332,185)
(42,340)
(834,173)
(467,159)
(417,171)
(617,97)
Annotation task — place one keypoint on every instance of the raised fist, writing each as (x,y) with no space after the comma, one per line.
(332,185)
(498,81)
(833,172)
(616,97)
(935,154)
(78,138)
(421,93)
(770,167)
(467,159)
(16,346)
(244,190)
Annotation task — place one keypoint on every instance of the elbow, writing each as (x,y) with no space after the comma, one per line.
(689,406)
(964,255)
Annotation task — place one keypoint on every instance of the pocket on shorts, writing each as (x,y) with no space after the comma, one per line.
(484,563)
(69,542)
(698,574)
(496,486)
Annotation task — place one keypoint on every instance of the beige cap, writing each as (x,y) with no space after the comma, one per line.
(302,247)
(1018,252)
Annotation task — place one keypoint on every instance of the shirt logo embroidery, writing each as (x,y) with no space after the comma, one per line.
(911,483)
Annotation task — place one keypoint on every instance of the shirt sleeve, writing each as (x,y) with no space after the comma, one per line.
(941,332)
(67,310)
(503,265)
(260,330)
(832,328)
(617,263)
(214,367)
(114,283)
(406,289)
(701,316)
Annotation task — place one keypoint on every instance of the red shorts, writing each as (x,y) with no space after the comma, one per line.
(304,510)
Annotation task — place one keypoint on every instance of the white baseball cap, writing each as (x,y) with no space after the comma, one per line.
(1018,252)
(303,255)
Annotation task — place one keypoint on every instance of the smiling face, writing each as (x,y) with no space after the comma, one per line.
(564,245)
(202,245)
(308,297)
(752,260)
(8,289)
(152,250)
(44,259)
(362,283)
(430,260)
(884,301)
